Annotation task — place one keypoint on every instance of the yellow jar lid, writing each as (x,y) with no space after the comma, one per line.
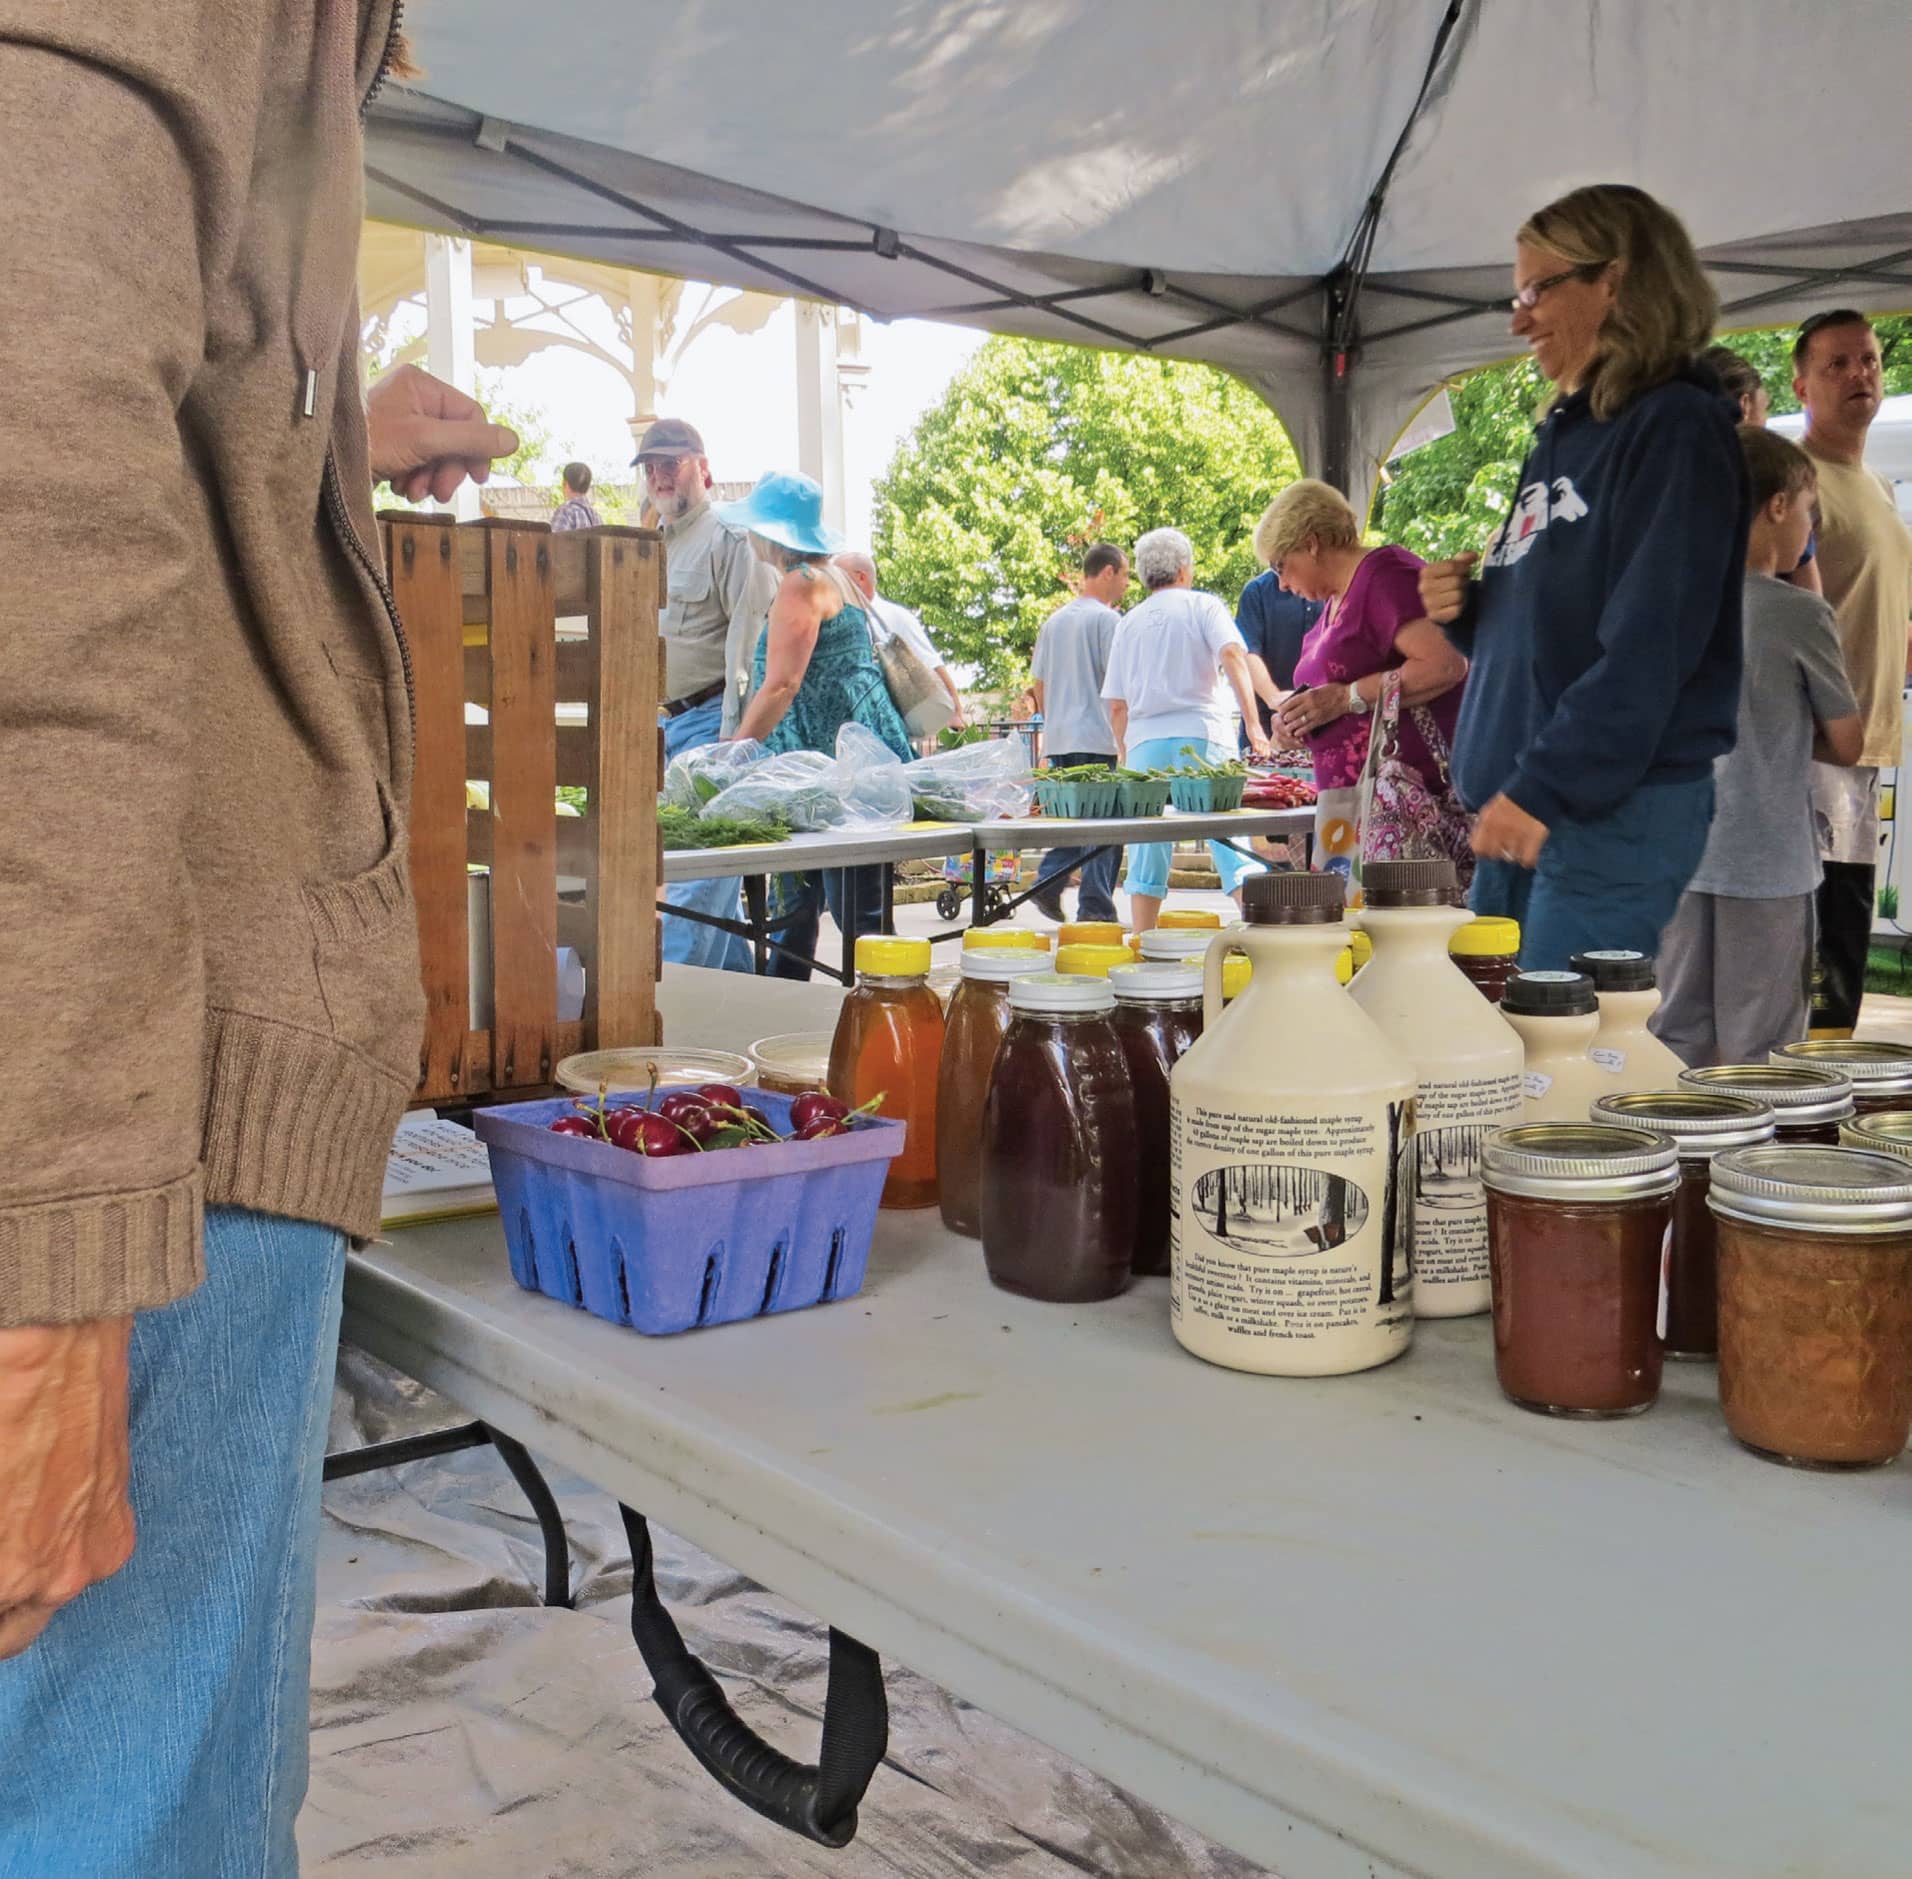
(1236,972)
(1189,916)
(1488,937)
(1091,933)
(1006,938)
(888,958)
(1091,961)
(1344,966)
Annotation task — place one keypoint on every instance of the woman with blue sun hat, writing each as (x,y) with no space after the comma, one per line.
(815,671)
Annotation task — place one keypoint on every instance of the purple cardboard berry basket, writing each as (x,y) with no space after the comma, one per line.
(686,1240)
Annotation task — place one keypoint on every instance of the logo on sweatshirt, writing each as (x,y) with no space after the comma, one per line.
(1539,504)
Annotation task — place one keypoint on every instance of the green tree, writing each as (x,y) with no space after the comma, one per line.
(1038,450)
(1451,494)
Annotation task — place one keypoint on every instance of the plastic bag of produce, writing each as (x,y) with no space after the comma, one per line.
(800,786)
(870,778)
(695,777)
(976,783)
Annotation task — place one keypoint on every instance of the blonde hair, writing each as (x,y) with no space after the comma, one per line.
(1663,308)
(1305,508)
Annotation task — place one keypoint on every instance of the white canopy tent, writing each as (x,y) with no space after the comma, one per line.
(1317,194)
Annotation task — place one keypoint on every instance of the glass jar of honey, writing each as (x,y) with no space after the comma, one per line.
(978,1018)
(889,1043)
(1487,951)
(1158,1015)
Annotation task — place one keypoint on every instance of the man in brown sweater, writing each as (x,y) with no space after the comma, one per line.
(209,952)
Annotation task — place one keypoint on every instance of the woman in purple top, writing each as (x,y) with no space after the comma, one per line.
(1373,624)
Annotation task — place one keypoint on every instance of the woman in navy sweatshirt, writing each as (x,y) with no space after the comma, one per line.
(1604,628)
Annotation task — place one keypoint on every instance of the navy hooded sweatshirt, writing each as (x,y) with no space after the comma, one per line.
(1604,630)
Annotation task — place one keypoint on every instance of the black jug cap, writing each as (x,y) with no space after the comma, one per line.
(1294,899)
(1408,883)
(1617,971)
(1550,995)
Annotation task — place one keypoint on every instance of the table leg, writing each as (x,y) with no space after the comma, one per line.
(757,915)
(887,905)
(851,905)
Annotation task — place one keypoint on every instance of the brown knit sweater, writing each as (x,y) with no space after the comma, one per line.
(208,962)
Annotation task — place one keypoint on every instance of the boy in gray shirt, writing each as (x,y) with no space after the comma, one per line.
(1736,960)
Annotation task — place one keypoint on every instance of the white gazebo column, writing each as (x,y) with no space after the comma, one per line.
(451,349)
(820,406)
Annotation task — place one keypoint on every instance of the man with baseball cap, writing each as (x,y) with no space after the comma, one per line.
(718,596)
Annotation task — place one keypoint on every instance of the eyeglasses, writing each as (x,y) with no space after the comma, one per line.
(664,469)
(1528,297)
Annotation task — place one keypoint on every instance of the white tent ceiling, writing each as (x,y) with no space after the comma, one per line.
(1268,185)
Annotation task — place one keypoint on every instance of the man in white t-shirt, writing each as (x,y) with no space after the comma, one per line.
(891,621)
(1178,682)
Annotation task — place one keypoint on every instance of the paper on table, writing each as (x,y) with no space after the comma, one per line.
(436,1169)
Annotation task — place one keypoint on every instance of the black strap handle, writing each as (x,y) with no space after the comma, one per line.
(819,1803)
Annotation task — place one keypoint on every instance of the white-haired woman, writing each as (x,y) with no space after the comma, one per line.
(1604,631)
(1178,677)
(1373,626)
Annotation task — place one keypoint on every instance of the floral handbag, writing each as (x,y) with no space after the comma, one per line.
(1404,817)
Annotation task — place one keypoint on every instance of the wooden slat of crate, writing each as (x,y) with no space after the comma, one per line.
(421,554)
(625,584)
(570,582)
(521,595)
(573,681)
(565,1040)
(571,842)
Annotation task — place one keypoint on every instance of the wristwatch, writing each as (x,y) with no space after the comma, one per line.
(1357,704)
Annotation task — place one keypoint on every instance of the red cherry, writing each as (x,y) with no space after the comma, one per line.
(624,1126)
(760,1119)
(574,1125)
(813,1104)
(818,1127)
(725,1095)
(658,1138)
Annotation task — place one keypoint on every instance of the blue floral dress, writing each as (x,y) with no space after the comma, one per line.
(843,684)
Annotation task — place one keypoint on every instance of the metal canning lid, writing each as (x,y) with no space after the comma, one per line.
(1825,1190)
(1579,1161)
(1408,883)
(1888,1132)
(1864,1062)
(1156,981)
(1701,1123)
(1057,991)
(1177,942)
(1800,1093)
(1550,995)
(1294,899)
(1616,971)
(994,963)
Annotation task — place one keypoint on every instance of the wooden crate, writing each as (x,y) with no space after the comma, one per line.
(481,604)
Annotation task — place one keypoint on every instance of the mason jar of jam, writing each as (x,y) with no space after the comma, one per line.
(1808,1101)
(1885,1132)
(1701,1127)
(1158,1014)
(1059,1150)
(1815,1303)
(1880,1073)
(973,1032)
(1577,1218)
(1487,951)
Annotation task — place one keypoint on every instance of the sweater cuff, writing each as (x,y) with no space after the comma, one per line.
(102,1256)
(1539,801)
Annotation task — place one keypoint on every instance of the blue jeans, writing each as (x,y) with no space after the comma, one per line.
(804,921)
(686,943)
(1148,861)
(1100,866)
(1612,882)
(157,1729)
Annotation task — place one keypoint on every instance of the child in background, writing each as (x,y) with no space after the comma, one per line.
(1736,960)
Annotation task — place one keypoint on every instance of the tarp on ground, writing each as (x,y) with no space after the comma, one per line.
(1317,194)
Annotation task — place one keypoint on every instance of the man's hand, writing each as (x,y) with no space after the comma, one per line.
(1506,832)
(1444,587)
(427,436)
(65,1521)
